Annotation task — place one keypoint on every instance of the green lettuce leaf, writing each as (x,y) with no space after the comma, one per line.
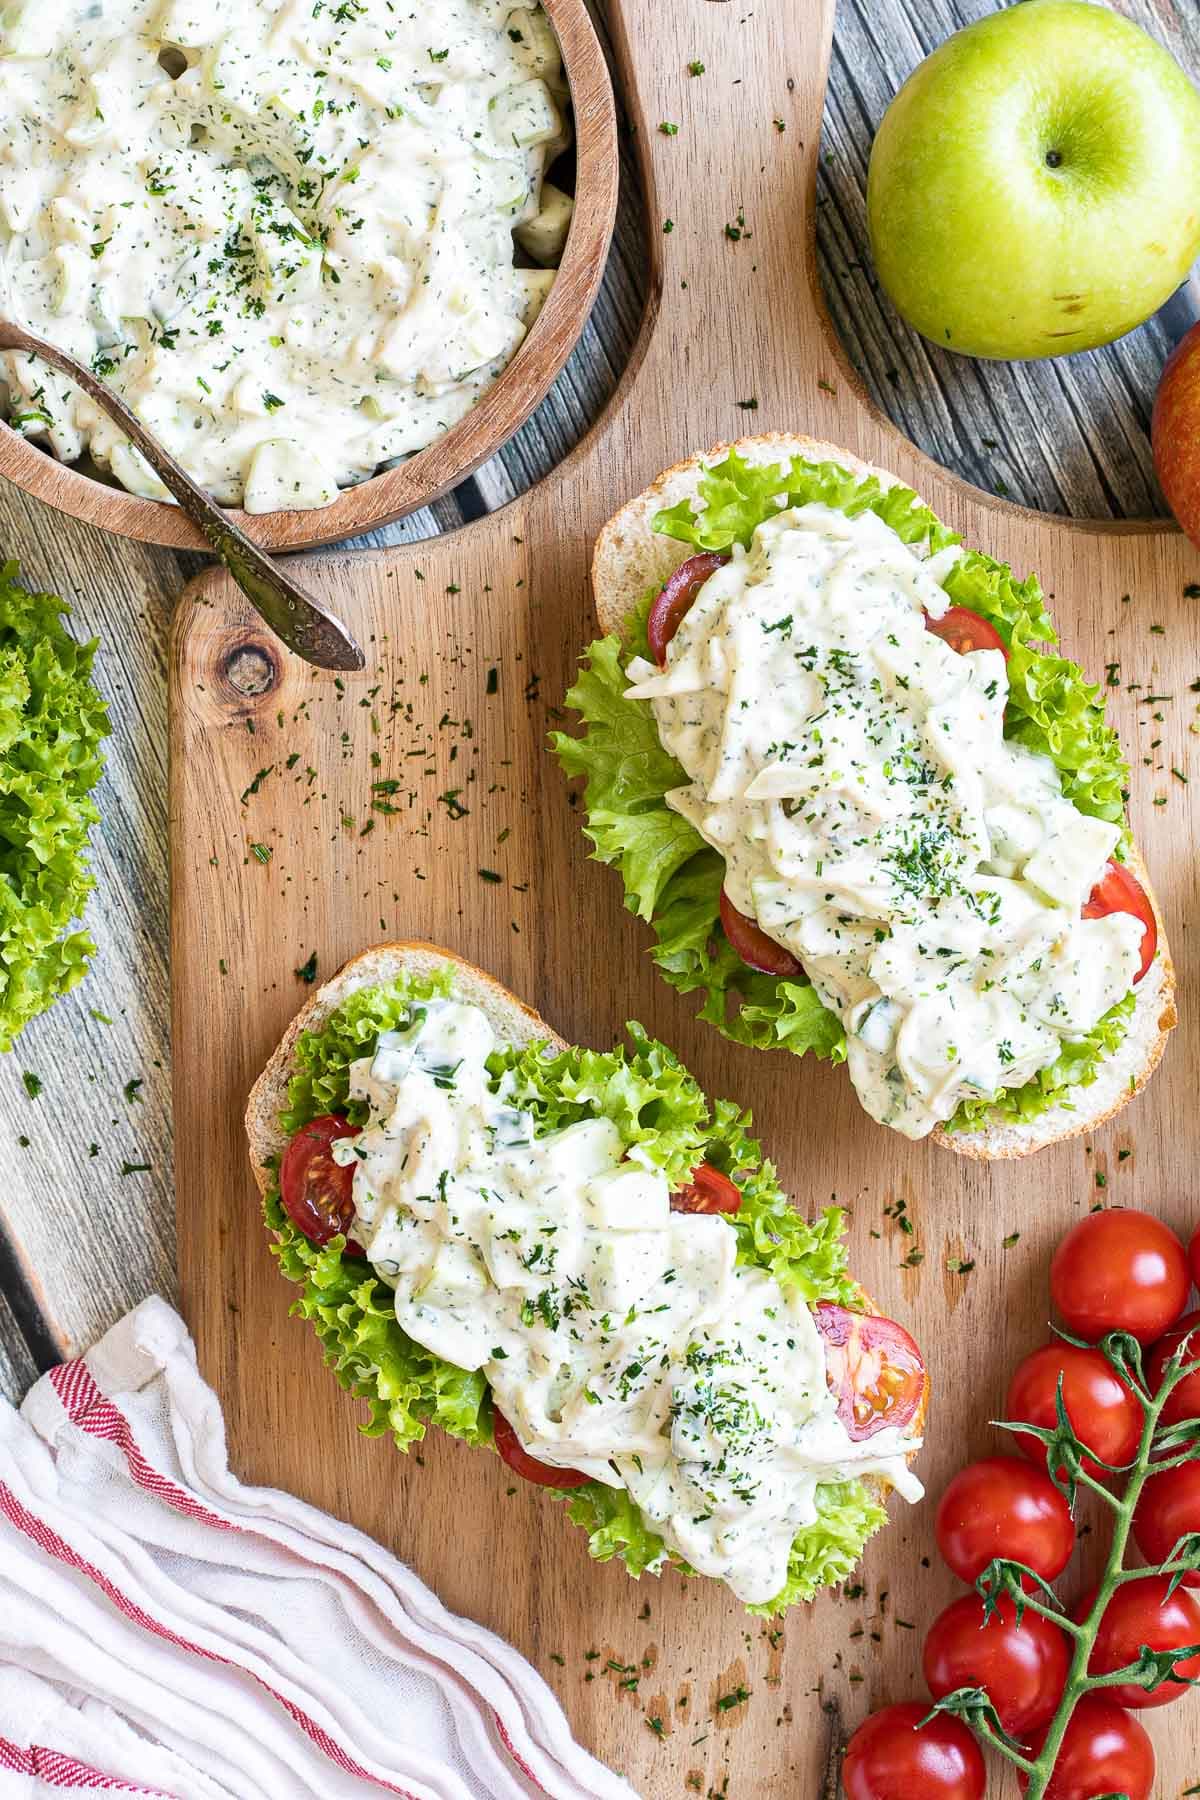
(673,880)
(51,723)
(656,1105)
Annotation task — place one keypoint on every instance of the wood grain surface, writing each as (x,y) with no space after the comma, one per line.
(744,1708)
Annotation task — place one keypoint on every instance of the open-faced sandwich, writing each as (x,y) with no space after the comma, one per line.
(571,1256)
(866,809)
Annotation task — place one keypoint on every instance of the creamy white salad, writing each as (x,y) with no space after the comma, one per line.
(852,770)
(282,230)
(619,1338)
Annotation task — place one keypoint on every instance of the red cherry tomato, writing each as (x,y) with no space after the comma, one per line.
(755,948)
(1119,891)
(888,1758)
(965,631)
(1184,1402)
(318,1195)
(1194,1256)
(1142,1612)
(1120,1270)
(1104,1752)
(1023,1667)
(678,592)
(1104,1412)
(1004,1507)
(707,1192)
(873,1367)
(1168,1509)
(528,1467)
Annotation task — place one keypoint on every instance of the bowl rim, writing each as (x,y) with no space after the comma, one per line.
(490,423)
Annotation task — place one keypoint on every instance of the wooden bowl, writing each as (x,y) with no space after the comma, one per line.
(451,458)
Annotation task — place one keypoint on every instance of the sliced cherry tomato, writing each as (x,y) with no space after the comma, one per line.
(707,1192)
(317,1194)
(888,1758)
(679,590)
(873,1367)
(1119,891)
(1023,1667)
(1105,1413)
(1120,1270)
(1003,1506)
(1144,1612)
(965,631)
(528,1467)
(1184,1402)
(1104,1751)
(755,948)
(1169,1509)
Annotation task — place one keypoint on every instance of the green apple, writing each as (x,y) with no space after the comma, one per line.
(1035,185)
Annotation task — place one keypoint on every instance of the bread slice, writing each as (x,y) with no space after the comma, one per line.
(510,1018)
(630,557)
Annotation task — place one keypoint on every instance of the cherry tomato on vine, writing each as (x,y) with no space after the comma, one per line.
(317,1195)
(1104,1412)
(1023,1667)
(1003,1506)
(873,1366)
(528,1467)
(678,592)
(1168,1509)
(888,1758)
(1184,1400)
(756,949)
(1119,891)
(708,1191)
(965,631)
(1105,1751)
(1143,1612)
(1120,1270)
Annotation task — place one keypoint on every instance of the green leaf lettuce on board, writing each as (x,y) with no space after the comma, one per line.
(51,723)
(672,879)
(654,1103)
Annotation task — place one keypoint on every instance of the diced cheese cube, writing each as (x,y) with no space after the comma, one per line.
(525,115)
(544,236)
(283,473)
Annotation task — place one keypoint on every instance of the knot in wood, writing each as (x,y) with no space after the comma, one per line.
(251,670)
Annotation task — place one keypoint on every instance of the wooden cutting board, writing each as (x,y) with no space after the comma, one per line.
(309,816)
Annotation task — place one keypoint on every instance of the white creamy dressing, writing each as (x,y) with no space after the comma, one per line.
(293,260)
(618,1338)
(852,770)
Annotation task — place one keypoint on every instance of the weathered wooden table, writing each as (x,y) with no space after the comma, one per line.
(87,1213)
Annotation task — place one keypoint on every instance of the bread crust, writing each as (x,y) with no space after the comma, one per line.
(630,557)
(518,1022)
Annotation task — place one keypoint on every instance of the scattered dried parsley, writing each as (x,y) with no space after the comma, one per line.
(489,875)
(956,1265)
(668,128)
(307,972)
(1014,1237)
(128,1168)
(131,1090)
(726,1701)
(33,1083)
(695,68)
(263,852)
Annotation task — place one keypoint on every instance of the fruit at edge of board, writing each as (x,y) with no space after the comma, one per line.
(1144,1612)
(1022,1667)
(1175,433)
(1034,187)
(1169,1509)
(888,1758)
(1003,1506)
(1120,1270)
(1105,1751)
(1184,1400)
(1105,1413)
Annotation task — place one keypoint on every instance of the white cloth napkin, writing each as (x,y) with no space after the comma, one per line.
(166,1631)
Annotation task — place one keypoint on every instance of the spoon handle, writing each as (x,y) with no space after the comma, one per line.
(302,622)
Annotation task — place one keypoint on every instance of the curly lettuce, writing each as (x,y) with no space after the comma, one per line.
(672,879)
(52,721)
(659,1107)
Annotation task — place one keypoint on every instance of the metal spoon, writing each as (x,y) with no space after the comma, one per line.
(304,624)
